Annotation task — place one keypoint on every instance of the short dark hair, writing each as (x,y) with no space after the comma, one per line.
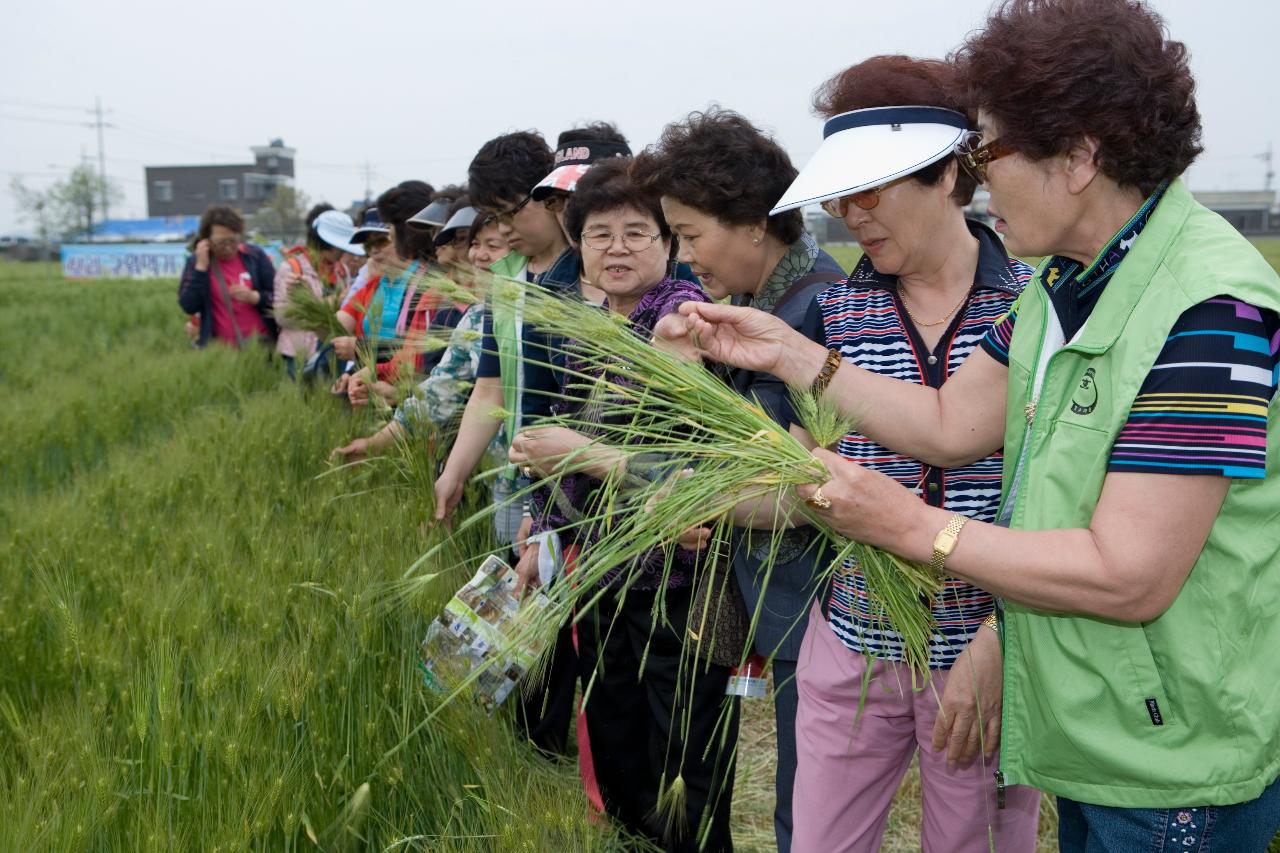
(720,163)
(219,214)
(597,131)
(507,167)
(449,192)
(899,81)
(395,206)
(608,186)
(313,237)
(1115,77)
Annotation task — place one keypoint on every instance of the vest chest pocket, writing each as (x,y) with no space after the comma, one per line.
(1078,486)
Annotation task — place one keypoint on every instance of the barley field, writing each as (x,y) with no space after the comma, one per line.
(205,647)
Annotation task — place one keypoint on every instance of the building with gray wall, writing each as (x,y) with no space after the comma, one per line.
(188,190)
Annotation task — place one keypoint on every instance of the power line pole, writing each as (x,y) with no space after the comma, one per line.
(102,151)
(368,181)
(1265,157)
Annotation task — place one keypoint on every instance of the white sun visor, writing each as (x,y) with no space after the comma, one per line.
(866,148)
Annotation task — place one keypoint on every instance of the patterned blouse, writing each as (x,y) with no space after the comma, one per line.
(863,317)
(442,396)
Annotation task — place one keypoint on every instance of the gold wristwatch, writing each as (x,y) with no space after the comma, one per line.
(945,542)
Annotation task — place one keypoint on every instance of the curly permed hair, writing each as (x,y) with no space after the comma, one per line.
(721,164)
(1053,72)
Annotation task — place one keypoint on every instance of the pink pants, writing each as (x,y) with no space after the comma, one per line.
(847,776)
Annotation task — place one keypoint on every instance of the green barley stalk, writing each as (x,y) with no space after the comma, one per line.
(305,311)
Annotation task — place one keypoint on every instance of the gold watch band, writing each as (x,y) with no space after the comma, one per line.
(992,621)
(945,542)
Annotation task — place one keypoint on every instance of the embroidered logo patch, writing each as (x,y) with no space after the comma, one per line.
(1153,709)
(1085,400)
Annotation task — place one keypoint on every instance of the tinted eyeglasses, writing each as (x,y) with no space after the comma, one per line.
(866,200)
(974,156)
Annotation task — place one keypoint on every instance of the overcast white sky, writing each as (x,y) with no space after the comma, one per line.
(414,88)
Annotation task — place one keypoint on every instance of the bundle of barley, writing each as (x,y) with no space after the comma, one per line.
(306,312)
(719,453)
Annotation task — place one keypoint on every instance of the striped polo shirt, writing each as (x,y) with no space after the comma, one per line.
(864,319)
(1202,408)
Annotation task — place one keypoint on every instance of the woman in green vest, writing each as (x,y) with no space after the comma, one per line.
(1137,549)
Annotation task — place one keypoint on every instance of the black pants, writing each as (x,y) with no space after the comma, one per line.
(666,720)
(545,711)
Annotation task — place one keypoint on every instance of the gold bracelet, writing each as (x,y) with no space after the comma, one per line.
(992,621)
(829,368)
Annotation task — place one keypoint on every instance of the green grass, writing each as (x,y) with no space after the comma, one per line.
(196,654)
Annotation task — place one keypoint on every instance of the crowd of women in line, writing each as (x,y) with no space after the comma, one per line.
(1084,452)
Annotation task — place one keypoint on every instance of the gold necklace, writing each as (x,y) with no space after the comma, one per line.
(947,316)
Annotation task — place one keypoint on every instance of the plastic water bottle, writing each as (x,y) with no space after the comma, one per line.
(749,680)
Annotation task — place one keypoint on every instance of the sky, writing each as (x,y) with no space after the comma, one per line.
(412,89)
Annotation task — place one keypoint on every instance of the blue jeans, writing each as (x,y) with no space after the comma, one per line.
(1241,828)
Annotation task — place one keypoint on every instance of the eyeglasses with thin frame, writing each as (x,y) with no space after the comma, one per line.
(633,241)
(505,217)
(974,156)
(865,200)
(226,241)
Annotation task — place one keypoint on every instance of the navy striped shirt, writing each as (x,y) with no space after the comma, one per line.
(864,319)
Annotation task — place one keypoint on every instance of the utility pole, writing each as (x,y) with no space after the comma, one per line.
(96,112)
(1265,157)
(88,210)
(368,182)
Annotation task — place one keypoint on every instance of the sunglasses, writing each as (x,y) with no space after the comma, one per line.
(974,156)
(865,200)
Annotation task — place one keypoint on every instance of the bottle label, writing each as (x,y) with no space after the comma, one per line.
(747,687)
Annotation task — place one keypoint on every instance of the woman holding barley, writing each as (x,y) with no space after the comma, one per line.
(1133,391)
(654,715)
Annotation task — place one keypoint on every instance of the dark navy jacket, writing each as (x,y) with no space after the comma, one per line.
(195,294)
(794,582)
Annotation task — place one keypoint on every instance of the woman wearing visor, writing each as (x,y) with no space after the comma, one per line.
(1133,391)
(929,286)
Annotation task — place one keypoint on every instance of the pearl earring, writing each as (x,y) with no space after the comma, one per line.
(755,242)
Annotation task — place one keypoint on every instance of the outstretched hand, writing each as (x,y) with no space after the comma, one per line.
(353,452)
(742,337)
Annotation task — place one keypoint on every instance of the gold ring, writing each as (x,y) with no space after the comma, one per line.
(819,500)
(526,471)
